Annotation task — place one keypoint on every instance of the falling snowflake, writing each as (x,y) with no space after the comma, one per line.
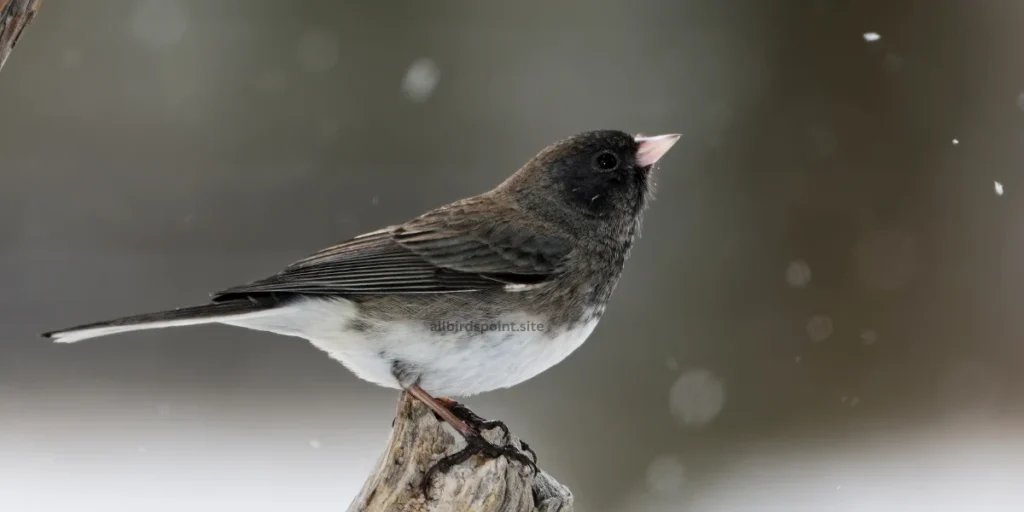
(666,476)
(819,328)
(420,80)
(696,397)
(998,187)
(869,337)
(158,24)
(798,274)
(672,364)
(871,36)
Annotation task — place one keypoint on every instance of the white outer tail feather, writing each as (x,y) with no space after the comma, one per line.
(73,335)
(260,320)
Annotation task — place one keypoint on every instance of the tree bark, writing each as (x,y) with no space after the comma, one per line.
(15,15)
(418,440)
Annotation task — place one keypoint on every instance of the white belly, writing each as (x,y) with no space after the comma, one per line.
(450,363)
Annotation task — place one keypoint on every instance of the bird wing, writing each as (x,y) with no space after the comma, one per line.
(451,249)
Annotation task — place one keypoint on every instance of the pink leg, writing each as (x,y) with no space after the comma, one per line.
(438,407)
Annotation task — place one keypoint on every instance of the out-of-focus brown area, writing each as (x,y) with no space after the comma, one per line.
(822,313)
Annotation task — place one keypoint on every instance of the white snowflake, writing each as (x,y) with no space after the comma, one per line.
(420,80)
(696,397)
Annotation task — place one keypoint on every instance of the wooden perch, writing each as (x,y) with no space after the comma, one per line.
(418,440)
(15,15)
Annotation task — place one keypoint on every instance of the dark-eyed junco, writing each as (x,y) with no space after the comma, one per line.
(480,294)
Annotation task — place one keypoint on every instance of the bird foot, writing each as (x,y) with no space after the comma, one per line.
(480,425)
(476,444)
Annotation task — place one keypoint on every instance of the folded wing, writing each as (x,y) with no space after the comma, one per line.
(450,250)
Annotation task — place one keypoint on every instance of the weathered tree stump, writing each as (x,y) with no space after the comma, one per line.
(418,440)
(15,15)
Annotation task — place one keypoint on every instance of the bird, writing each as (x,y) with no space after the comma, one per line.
(480,294)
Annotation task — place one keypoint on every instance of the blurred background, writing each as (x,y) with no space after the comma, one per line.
(823,314)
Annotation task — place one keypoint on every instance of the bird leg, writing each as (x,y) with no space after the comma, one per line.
(443,412)
(469,425)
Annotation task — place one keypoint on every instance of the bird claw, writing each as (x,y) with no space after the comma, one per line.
(479,424)
(476,444)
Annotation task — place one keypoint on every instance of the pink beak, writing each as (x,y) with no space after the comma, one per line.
(653,148)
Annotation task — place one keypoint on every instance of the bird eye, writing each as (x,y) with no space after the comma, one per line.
(606,161)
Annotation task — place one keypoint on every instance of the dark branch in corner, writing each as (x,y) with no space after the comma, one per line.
(15,15)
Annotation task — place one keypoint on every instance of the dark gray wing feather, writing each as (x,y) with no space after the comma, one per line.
(446,251)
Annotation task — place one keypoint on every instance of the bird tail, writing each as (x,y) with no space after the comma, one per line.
(193,315)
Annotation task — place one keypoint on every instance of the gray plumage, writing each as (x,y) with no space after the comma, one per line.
(546,247)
